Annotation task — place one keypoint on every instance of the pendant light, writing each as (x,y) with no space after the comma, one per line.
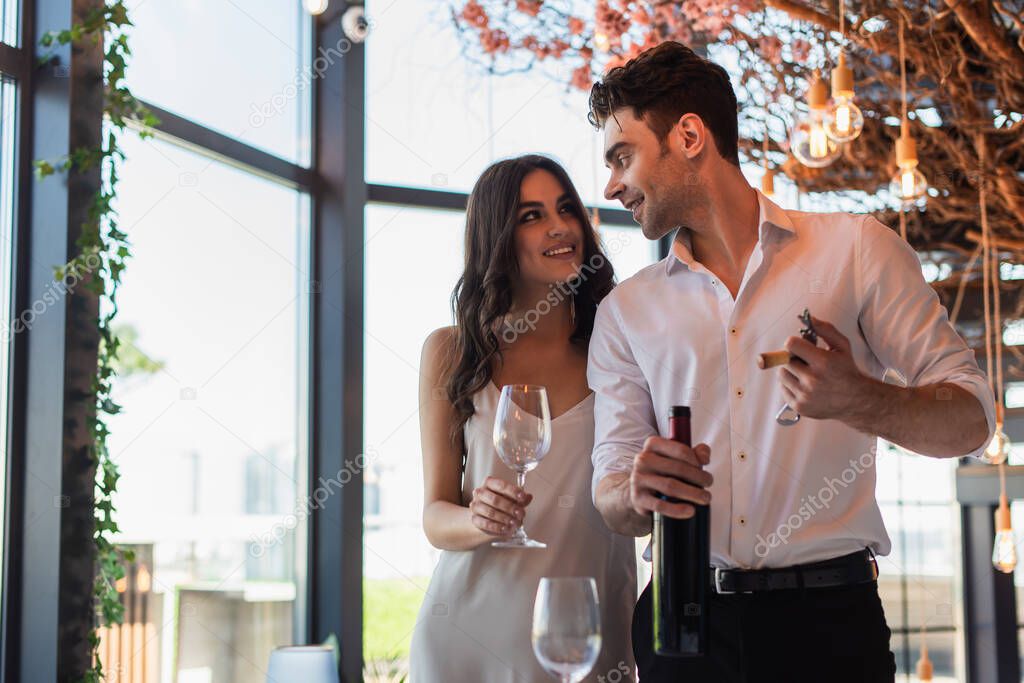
(909,184)
(1004,550)
(844,120)
(809,141)
(924,664)
(998,449)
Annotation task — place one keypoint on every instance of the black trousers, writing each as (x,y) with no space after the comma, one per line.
(788,636)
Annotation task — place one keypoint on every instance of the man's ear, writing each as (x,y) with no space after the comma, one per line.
(690,135)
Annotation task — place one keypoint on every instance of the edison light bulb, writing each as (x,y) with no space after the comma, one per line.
(909,184)
(998,449)
(844,120)
(315,7)
(1004,553)
(809,141)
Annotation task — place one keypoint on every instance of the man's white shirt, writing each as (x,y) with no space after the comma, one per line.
(673,335)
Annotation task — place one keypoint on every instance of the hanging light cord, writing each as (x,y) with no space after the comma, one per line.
(842,25)
(764,143)
(985,264)
(954,312)
(1002,481)
(990,281)
(904,126)
(903,79)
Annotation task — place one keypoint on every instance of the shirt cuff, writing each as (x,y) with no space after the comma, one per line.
(980,390)
(609,460)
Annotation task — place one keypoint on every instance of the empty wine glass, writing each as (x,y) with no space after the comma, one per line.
(522,437)
(566,631)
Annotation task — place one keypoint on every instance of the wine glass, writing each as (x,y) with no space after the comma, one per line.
(522,437)
(566,631)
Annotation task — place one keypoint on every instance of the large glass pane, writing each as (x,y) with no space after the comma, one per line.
(920,580)
(9,17)
(242,68)
(627,249)
(211,443)
(398,560)
(8,172)
(434,119)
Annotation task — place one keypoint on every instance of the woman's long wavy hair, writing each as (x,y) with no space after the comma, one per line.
(483,295)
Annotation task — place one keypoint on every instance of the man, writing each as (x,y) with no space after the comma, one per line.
(794,520)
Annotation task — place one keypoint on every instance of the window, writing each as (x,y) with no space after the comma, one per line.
(433,119)
(9,31)
(8,171)
(919,581)
(211,443)
(397,559)
(9,16)
(241,68)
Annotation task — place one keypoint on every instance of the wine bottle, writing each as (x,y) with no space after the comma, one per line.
(681,553)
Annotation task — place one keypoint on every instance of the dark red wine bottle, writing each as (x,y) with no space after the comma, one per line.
(681,553)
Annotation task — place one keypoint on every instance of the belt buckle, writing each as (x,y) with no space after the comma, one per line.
(718,583)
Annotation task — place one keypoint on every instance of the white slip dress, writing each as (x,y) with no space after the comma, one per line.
(474,624)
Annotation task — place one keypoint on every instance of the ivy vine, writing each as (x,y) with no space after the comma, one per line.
(103,250)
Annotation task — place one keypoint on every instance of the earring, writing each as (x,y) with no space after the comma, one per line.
(572,311)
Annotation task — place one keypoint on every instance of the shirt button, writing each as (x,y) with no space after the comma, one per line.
(739,393)
(732,331)
(742,455)
(743,521)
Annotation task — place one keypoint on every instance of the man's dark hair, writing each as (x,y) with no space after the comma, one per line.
(662,84)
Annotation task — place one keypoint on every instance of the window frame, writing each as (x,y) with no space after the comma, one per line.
(15,64)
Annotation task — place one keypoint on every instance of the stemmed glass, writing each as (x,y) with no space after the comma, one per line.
(522,437)
(566,631)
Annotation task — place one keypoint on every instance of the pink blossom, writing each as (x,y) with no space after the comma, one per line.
(801,50)
(610,22)
(576,26)
(474,14)
(771,49)
(715,24)
(494,40)
(582,77)
(531,7)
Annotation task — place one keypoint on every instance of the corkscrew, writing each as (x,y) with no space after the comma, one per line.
(787,416)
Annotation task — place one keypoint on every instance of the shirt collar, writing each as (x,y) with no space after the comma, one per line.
(770,214)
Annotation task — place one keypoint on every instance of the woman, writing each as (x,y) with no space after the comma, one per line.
(524,310)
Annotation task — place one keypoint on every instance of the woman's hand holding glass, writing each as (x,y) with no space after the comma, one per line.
(498,507)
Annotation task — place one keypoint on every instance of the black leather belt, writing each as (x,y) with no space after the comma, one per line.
(848,570)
